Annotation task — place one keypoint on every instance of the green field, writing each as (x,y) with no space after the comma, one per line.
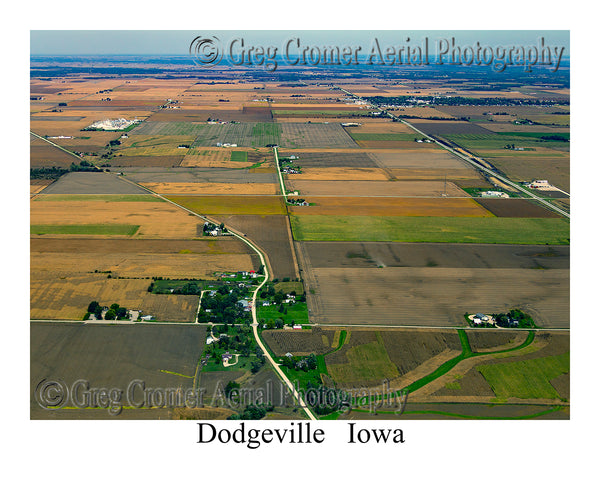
(382,137)
(526,378)
(494,141)
(297,313)
(97,198)
(366,362)
(114,229)
(239,156)
(539,135)
(553,231)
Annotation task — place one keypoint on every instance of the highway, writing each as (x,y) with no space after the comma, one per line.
(466,158)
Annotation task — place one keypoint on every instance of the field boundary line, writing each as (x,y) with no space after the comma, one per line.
(466,158)
(262,257)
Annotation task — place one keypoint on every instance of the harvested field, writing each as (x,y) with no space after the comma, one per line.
(49,156)
(177,188)
(555,170)
(420,158)
(146,161)
(363,361)
(112,356)
(272,235)
(141,258)
(448,127)
(300,342)
(516,208)
(409,349)
(393,254)
(435,296)
(377,206)
(67,297)
(455,175)
(193,114)
(305,135)
(37,185)
(148,145)
(391,144)
(431,229)
(199,175)
(330,159)
(92,183)
(156,219)
(231,205)
(491,340)
(343,173)
(373,188)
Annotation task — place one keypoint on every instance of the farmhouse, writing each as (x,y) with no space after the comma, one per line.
(494,194)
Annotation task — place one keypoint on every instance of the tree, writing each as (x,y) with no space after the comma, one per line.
(121,312)
(230,388)
(114,306)
(110,314)
(93,306)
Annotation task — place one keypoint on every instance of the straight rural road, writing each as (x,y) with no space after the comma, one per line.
(466,158)
(255,325)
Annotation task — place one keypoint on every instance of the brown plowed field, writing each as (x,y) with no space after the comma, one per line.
(420,158)
(146,161)
(435,296)
(373,188)
(272,234)
(447,255)
(300,342)
(111,356)
(516,208)
(377,206)
(49,156)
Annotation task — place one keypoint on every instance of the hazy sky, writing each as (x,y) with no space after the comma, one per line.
(164,42)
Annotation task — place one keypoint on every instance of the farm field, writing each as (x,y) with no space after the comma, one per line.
(49,156)
(156,219)
(92,183)
(300,342)
(213,188)
(372,188)
(66,297)
(393,206)
(342,173)
(272,234)
(112,356)
(430,229)
(304,135)
(515,207)
(435,296)
(231,205)
(519,169)
(137,258)
(420,158)
(146,161)
(328,159)
(444,255)
(199,175)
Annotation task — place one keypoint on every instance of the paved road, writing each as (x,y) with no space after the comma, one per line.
(255,325)
(468,160)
